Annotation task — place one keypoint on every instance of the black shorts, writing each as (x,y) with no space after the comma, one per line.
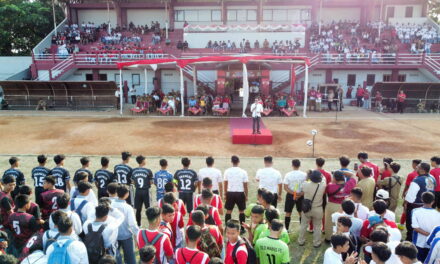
(235,198)
(437,200)
(142,196)
(187,199)
(275,200)
(290,203)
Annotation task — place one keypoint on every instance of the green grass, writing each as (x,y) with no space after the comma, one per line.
(303,255)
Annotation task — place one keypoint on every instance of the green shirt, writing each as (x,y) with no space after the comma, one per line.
(284,235)
(272,251)
(257,232)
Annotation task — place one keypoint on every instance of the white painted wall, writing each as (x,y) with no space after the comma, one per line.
(145,16)
(338,14)
(97,16)
(200,40)
(399,10)
(10,65)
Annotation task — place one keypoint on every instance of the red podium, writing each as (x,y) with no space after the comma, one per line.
(245,136)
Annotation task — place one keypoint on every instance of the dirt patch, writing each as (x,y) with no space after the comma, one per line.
(4,122)
(189,124)
(109,120)
(393,148)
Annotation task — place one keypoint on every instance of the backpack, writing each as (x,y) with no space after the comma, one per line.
(252,255)
(78,210)
(50,240)
(208,244)
(184,259)
(59,254)
(152,242)
(94,243)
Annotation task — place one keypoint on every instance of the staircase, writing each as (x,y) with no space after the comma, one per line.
(58,70)
(432,63)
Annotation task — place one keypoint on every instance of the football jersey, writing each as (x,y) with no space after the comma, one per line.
(191,256)
(177,226)
(38,174)
(215,202)
(36,239)
(6,205)
(23,226)
(34,210)
(62,176)
(163,245)
(161,178)
(213,218)
(166,229)
(17,174)
(241,254)
(49,202)
(142,178)
(87,171)
(179,206)
(103,178)
(122,173)
(186,180)
(283,237)
(272,251)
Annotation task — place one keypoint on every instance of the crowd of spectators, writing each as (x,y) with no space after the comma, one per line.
(278,47)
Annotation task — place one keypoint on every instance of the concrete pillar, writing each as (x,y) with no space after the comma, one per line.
(394,75)
(224,12)
(157,81)
(328,76)
(118,12)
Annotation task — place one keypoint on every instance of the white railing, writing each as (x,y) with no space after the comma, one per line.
(200,76)
(373,59)
(47,41)
(433,63)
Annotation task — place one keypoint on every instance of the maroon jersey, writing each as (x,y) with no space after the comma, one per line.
(49,202)
(34,210)
(33,241)
(22,226)
(6,205)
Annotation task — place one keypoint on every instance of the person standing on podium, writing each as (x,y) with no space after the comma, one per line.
(256,109)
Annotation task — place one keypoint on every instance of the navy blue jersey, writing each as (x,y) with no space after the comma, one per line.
(142,178)
(38,174)
(103,178)
(17,174)
(62,176)
(186,180)
(88,172)
(123,173)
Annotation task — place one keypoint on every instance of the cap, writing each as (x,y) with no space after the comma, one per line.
(383,194)
(374,220)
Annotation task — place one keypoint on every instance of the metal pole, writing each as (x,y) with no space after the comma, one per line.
(108,17)
(146,81)
(182,103)
(380,17)
(313,146)
(195,80)
(306,89)
(120,91)
(320,16)
(54,17)
(167,18)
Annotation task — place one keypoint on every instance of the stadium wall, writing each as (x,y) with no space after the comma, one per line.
(97,16)
(145,16)
(337,14)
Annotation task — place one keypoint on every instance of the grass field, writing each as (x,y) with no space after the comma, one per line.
(301,255)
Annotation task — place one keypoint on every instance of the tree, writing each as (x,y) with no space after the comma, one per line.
(24,24)
(434,10)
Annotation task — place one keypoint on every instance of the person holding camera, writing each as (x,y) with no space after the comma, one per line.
(313,193)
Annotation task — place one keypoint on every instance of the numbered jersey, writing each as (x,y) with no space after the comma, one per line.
(123,174)
(6,205)
(272,251)
(36,239)
(103,178)
(186,180)
(17,174)
(142,178)
(49,202)
(161,178)
(62,176)
(22,226)
(38,174)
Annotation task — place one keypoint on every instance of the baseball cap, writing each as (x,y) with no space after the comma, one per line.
(382,194)
(374,220)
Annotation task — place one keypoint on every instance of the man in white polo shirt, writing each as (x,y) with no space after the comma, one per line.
(236,187)
(215,175)
(269,178)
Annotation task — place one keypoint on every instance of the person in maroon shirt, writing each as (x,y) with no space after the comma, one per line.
(349,91)
(435,172)
(386,171)
(34,208)
(49,197)
(21,224)
(359,96)
(401,97)
(6,203)
(363,158)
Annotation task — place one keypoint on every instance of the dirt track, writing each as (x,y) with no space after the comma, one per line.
(398,138)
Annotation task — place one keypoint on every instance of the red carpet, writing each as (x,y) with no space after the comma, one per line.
(241,132)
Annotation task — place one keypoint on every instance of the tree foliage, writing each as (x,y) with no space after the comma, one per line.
(434,10)
(23,24)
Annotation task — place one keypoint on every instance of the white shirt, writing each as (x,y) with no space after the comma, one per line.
(294,180)
(129,227)
(256,109)
(37,257)
(88,211)
(269,178)
(331,257)
(235,177)
(389,215)
(91,197)
(214,174)
(356,223)
(413,190)
(362,211)
(52,233)
(77,225)
(426,219)
(110,232)
(76,250)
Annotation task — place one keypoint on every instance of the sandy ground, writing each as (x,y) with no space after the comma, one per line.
(400,136)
